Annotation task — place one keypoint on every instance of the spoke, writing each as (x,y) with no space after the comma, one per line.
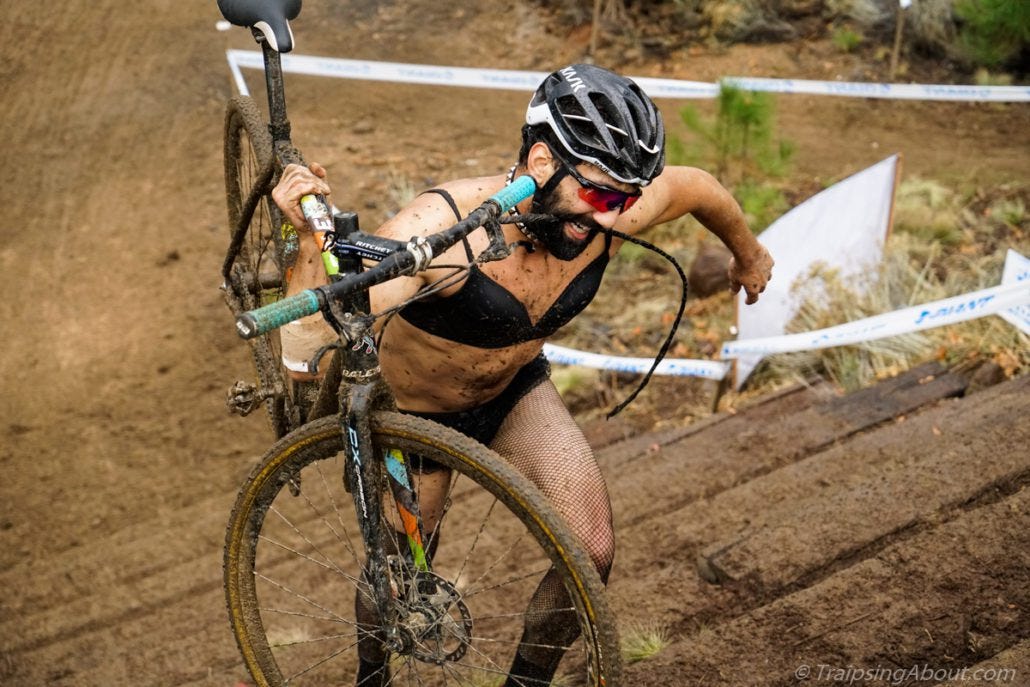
(348,635)
(408,670)
(392,677)
(348,544)
(298,614)
(498,560)
(301,554)
(299,596)
(496,668)
(359,585)
(475,541)
(511,580)
(451,670)
(572,647)
(318,663)
(310,543)
(492,668)
(499,616)
(447,502)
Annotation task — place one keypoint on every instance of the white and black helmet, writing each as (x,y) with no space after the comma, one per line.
(604,119)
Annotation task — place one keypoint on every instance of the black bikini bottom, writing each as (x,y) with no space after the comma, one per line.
(483,422)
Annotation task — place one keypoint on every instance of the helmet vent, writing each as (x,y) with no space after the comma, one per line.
(581,124)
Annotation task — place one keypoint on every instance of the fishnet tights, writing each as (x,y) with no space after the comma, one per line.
(541,440)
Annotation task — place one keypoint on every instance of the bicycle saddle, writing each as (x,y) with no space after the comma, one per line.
(270,17)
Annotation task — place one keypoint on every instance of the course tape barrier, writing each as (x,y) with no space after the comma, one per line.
(709,369)
(1017,269)
(991,301)
(892,91)
(509,79)
(1010,300)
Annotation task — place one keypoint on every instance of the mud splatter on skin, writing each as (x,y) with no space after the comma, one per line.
(180,431)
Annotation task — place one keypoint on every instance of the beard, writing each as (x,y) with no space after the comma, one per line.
(548,228)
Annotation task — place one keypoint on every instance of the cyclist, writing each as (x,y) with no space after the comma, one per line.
(471,358)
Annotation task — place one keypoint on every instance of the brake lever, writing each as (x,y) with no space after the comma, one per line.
(498,248)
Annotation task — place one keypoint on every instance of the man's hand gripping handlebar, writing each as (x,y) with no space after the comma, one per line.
(415,256)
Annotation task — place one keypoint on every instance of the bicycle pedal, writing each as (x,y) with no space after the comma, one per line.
(243,398)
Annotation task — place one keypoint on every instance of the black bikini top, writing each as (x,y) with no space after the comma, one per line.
(484,314)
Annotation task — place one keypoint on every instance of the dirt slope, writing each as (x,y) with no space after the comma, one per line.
(121,462)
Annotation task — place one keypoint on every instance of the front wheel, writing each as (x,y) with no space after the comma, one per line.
(294,566)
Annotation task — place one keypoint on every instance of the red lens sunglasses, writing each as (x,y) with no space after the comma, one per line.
(600,197)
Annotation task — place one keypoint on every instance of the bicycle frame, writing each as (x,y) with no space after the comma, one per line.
(353,384)
(354,379)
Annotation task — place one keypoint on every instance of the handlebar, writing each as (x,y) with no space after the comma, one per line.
(415,257)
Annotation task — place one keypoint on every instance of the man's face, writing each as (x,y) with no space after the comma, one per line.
(584,201)
(565,233)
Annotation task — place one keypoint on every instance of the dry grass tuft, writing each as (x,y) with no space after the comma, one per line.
(643,641)
(928,210)
(912,272)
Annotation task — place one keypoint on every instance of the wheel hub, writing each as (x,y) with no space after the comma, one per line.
(433,621)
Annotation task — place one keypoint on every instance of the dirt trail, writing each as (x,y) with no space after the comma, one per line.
(122,463)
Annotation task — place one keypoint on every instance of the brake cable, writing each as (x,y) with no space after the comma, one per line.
(675,322)
(518,221)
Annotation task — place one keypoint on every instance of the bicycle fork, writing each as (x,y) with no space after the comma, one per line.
(364,474)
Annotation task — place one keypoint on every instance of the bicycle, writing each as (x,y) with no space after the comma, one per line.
(327,548)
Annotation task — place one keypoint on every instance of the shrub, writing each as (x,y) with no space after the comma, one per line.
(740,140)
(995,32)
(846,39)
(741,145)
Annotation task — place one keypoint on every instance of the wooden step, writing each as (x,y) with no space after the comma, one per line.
(770,503)
(949,596)
(832,506)
(751,443)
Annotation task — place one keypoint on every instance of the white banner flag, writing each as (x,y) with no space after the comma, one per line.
(843,227)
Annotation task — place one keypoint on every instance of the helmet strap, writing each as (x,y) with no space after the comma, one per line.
(539,196)
(548,188)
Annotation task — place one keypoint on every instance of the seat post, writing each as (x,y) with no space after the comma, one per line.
(279,125)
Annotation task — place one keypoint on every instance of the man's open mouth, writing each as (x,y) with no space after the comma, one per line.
(577,230)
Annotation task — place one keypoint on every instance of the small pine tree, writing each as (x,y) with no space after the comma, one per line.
(995,32)
(746,155)
(742,134)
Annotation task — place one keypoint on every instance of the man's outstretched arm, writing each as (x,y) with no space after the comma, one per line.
(688,190)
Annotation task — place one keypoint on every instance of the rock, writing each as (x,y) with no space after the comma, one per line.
(864,14)
(707,274)
(796,9)
(986,375)
(743,21)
